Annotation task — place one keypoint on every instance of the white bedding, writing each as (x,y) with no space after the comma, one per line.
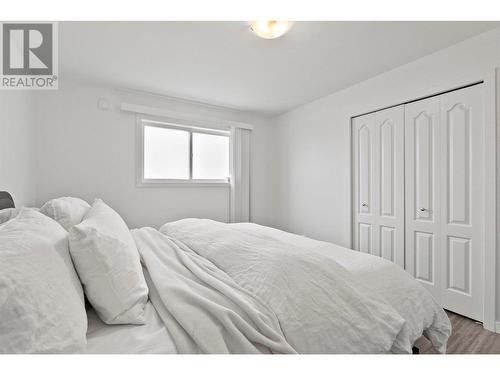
(204,310)
(108,264)
(328,299)
(422,313)
(41,299)
(150,338)
(244,288)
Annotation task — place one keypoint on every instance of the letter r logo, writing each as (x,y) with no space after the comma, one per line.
(27,48)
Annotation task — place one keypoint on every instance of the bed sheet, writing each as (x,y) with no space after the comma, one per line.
(151,338)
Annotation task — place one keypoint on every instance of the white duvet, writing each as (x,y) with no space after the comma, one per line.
(242,288)
(411,300)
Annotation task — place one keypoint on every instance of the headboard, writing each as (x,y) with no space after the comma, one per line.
(6,200)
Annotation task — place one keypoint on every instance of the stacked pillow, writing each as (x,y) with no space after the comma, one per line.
(67,211)
(41,297)
(8,214)
(108,263)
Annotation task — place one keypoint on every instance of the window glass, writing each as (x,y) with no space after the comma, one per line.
(166,153)
(210,156)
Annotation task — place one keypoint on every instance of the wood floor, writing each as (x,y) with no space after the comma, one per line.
(468,337)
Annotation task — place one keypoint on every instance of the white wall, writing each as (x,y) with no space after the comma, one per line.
(313,141)
(87,152)
(17,146)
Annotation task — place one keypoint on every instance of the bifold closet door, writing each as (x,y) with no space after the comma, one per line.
(378,182)
(422,193)
(462,213)
(444,190)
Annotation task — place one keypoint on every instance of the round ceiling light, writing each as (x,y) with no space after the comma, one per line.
(270,29)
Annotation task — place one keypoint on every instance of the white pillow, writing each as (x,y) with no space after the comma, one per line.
(108,263)
(42,307)
(67,211)
(8,213)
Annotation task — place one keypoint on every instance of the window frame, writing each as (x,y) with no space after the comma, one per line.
(143,121)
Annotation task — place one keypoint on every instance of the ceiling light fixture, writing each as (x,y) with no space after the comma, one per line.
(270,29)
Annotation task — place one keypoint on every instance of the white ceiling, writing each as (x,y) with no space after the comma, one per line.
(223,63)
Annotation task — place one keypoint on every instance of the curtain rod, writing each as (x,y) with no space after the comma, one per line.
(173,115)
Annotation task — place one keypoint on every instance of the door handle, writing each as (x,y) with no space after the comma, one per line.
(364,205)
(423,209)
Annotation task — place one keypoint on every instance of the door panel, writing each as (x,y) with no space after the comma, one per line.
(422,122)
(378,175)
(424,165)
(389,182)
(365,238)
(387,175)
(365,157)
(458,124)
(459,264)
(387,243)
(443,190)
(462,207)
(362,136)
(424,257)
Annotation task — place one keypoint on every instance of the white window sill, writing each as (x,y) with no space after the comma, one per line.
(183,183)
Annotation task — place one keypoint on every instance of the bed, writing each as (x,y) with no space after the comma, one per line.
(150,338)
(200,286)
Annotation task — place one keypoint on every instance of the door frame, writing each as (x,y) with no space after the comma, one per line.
(488,78)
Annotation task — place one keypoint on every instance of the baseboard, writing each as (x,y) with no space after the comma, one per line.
(497,327)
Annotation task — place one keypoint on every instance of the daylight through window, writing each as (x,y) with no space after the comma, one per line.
(175,153)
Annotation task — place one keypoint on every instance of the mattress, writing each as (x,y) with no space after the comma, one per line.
(151,338)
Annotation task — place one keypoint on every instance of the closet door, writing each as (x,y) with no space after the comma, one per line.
(462,182)
(378,184)
(444,206)
(422,193)
(389,182)
(363,136)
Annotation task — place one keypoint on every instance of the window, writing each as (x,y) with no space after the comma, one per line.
(173,153)
(210,156)
(166,153)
